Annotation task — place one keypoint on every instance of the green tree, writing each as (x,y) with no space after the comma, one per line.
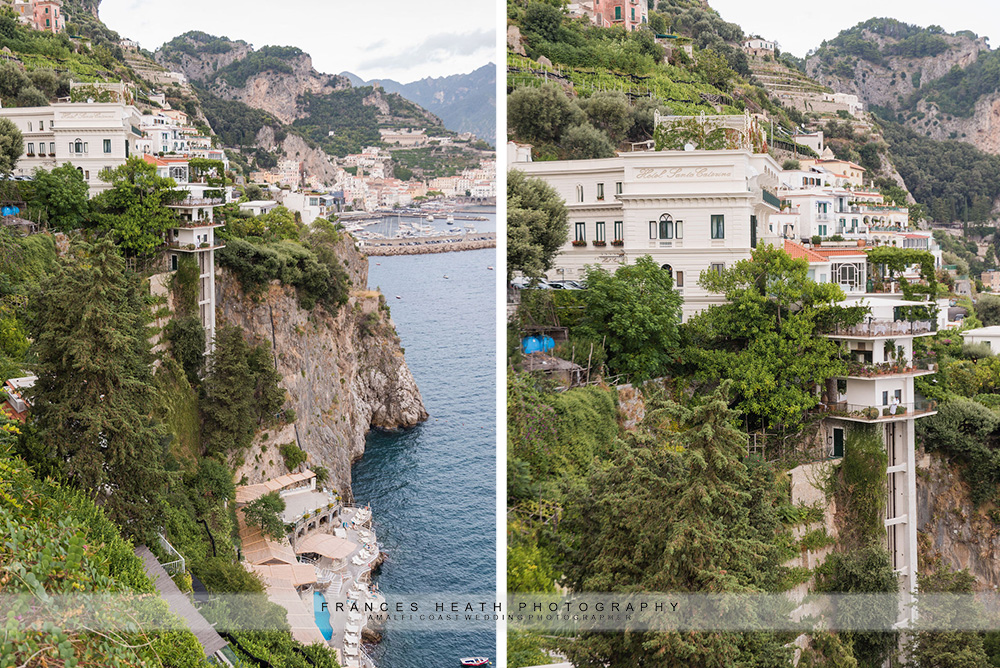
(241,391)
(767,337)
(988,309)
(265,512)
(65,196)
(947,649)
(94,390)
(11,146)
(638,310)
(541,114)
(611,113)
(537,224)
(680,508)
(585,141)
(134,209)
(187,345)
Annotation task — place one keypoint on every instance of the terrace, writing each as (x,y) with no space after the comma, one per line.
(868,413)
(865,370)
(874,327)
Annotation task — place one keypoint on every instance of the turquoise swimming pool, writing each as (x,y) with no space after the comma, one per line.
(322,615)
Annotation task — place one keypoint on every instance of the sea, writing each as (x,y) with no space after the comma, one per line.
(432,488)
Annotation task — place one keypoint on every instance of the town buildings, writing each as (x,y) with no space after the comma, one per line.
(44,15)
(691,211)
(93,136)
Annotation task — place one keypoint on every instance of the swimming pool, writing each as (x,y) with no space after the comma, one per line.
(322,615)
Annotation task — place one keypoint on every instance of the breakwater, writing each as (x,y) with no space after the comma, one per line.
(435,244)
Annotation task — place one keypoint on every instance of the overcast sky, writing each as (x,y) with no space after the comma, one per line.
(799,26)
(390,39)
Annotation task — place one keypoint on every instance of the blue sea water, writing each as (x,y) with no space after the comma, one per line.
(432,488)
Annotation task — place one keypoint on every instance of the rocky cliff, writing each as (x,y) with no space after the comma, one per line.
(200,64)
(884,85)
(951,527)
(345,373)
(315,160)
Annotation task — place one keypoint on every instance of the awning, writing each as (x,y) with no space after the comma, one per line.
(326,545)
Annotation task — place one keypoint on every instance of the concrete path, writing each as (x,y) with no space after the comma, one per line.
(179,603)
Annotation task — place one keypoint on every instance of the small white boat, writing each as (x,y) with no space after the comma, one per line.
(446,275)
(430,218)
(475,661)
(490,267)
(398,297)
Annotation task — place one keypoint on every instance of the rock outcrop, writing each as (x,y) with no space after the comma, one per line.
(345,372)
(315,160)
(951,527)
(200,66)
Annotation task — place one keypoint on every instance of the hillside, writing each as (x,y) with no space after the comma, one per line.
(464,102)
(938,84)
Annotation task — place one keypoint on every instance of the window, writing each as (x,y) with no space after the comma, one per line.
(600,192)
(579,193)
(77,146)
(718,227)
(599,232)
(52,148)
(666,228)
(41,125)
(717,267)
(633,14)
(619,230)
(173,262)
(618,13)
(31,148)
(618,188)
(86,175)
(107,146)
(29,126)
(679,281)
(821,230)
(581,231)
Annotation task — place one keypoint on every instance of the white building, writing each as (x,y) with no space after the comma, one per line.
(290,173)
(311,205)
(92,136)
(257,207)
(691,211)
(988,335)
(879,390)
(195,235)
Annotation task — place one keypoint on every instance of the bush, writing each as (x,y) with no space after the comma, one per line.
(220,575)
(293,455)
(974,351)
(187,345)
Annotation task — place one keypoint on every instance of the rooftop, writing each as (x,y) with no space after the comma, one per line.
(994,330)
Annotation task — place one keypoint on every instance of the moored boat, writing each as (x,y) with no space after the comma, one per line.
(475,661)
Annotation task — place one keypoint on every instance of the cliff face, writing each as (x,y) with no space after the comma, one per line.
(200,66)
(315,160)
(883,86)
(963,536)
(344,373)
(278,92)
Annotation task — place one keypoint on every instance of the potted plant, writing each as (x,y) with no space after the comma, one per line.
(599,243)
(618,242)
(579,242)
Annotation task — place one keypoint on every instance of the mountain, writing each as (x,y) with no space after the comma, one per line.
(465,102)
(939,85)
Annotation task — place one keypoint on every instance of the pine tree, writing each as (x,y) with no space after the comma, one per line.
(678,509)
(94,388)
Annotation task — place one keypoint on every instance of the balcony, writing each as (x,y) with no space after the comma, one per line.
(875,328)
(198,201)
(864,370)
(770,198)
(872,413)
(194,248)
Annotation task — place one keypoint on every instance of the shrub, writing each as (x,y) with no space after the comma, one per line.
(220,575)
(293,455)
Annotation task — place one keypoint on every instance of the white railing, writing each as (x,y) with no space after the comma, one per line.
(177,564)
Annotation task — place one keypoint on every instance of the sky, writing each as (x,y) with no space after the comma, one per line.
(390,39)
(800,26)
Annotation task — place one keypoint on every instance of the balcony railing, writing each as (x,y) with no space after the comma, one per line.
(770,198)
(887,328)
(199,201)
(865,370)
(875,413)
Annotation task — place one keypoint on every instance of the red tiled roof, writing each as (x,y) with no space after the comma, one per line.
(828,252)
(797,250)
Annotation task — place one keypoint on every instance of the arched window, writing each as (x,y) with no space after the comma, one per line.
(666,228)
(78,146)
(667,268)
(579,193)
